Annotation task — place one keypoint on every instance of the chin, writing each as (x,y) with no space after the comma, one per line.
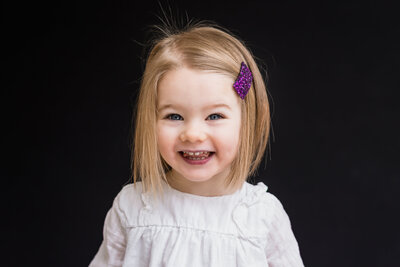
(201,177)
(197,179)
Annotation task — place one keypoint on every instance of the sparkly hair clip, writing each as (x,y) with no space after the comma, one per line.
(243,81)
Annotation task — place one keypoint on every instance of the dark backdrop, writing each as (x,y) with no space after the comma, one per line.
(72,74)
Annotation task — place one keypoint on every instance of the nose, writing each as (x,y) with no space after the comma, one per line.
(193,133)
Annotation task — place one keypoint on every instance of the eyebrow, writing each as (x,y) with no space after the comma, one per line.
(207,107)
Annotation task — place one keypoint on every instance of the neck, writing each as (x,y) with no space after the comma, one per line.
(209,188)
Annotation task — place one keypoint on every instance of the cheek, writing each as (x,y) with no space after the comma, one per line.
(228,138)
(165,139)
(235,138)
(160,139)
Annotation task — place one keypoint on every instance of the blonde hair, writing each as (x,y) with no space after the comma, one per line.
(201,47)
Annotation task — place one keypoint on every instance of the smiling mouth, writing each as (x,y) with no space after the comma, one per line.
(196,155)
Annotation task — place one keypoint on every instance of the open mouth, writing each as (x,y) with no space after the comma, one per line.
(196,155)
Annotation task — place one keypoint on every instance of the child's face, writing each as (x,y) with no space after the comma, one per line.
(198,124)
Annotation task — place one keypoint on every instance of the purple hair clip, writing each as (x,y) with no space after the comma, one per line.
(243,81)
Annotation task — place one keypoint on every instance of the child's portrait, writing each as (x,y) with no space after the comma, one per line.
(201,134)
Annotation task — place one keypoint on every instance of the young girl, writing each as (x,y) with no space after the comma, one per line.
(202,127)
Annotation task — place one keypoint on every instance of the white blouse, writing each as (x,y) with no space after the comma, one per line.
(247,228)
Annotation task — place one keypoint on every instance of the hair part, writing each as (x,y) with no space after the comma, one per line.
(207,47)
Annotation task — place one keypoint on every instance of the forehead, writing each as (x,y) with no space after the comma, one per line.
(195,88)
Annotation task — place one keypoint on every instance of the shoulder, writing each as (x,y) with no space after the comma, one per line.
(263,206)
(256,211)
(258,194)
(271,201)
(128,202)
(273,214)
(129,193)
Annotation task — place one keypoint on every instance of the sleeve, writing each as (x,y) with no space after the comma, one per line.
(112,249)
(282,249)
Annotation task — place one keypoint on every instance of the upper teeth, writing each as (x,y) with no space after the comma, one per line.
(198,153)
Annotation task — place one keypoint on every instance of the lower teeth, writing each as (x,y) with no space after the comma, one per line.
(195,158)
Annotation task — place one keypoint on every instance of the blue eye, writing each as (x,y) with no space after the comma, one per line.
(175,117)
(214,117)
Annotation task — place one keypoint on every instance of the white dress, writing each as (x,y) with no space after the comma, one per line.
(247,228)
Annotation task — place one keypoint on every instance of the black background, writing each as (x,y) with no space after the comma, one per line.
(72,74)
